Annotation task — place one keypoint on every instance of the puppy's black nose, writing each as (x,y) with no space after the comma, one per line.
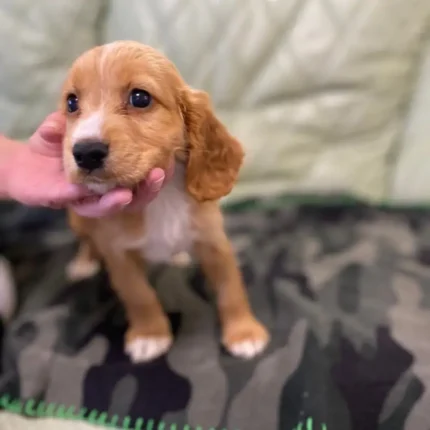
(90,155)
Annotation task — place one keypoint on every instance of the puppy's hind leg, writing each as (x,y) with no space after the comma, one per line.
(7,291)
(85,264)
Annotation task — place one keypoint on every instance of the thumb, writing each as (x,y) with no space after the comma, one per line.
(48,137)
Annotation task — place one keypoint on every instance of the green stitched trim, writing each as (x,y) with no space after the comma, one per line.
(39,409)
(309,425)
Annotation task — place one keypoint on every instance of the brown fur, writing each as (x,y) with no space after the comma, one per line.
(179,124)
(215,156)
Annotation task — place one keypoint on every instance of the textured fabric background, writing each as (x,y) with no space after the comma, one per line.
(411,175)
(319,91)
(326,95)
(344,291)
(38,42)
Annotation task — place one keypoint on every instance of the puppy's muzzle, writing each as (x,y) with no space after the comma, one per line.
(90,155)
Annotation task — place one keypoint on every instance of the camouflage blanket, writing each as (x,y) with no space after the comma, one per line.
(345,292)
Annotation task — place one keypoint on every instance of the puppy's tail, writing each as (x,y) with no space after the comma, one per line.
(7,291)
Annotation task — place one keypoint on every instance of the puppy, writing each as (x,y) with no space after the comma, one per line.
(128,111)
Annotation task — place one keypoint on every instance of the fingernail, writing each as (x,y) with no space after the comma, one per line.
(124,205)
(50,132)
(156,186)
(50,128)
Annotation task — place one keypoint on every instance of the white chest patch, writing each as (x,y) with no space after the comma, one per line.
(168,224)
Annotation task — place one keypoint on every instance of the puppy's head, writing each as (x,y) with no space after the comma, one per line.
(128,110)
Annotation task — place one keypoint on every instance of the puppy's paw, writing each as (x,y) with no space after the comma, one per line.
(246,338)
(143,349)
(79,269)
(182,259)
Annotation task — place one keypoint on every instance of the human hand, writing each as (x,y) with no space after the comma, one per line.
(35,177)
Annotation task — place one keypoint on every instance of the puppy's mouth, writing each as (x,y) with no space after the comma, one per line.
(106,177)
(100,187)
(99,181)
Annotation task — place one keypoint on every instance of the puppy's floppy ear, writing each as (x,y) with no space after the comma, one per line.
(214,156)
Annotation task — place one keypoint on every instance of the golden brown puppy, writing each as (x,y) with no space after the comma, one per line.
(128,111)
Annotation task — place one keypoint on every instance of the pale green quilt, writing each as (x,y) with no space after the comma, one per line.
(326,95)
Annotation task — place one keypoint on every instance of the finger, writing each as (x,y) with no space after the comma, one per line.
(48,137)
(65,193)
(53,127)
(110,203)
(55,205)
(170,171)
(147,190)
(119,199)
(155,181)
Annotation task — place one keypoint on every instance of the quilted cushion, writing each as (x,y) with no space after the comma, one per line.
(39,40)
(411,175)
(316,90)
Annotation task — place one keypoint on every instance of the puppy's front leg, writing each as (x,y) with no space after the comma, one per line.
(242,334)
(149,334)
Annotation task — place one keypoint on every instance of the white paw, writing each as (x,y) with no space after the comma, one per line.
(248,349)
(144,349)
(182,259)
(78,270)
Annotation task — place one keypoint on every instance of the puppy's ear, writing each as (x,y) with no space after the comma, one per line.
(214,156)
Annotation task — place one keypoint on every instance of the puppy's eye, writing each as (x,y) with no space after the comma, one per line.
(72,103)
(140,98)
